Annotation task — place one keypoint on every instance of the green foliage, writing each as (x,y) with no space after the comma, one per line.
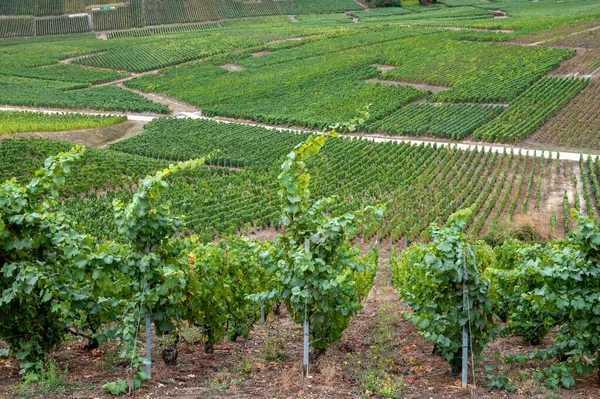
(61,25)
(530,110)
(156,264)
(363,281)
(537,288)
(499,382)
(65,73)
(383,3)
(48,268)
(435,279)
(150,53)
(163,30)
(436,180)
(317,265)
(566,274)
(325,80)
(454,121)
(221,279)
(46,93)
(120,386)
(512,279)
(18,122)
(46,380)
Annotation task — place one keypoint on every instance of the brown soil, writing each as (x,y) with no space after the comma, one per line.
(174,104)
(232,67)
(421,86)
(99,137)
(261,53)
(291,39)
(384,68)
(263,234)
(238,370)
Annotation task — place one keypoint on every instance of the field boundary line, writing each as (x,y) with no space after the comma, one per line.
(563,155)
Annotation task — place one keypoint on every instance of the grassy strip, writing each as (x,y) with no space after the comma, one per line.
(375,370)
(21,122)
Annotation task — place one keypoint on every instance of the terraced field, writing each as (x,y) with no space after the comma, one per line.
(439,180)
(461,150)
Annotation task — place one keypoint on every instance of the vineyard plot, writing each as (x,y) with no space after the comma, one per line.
(587,60)
(163,52)
(453,121)
(418,184)
(577,124)
(305,85)
(19,122)
(50,94)
(530,110)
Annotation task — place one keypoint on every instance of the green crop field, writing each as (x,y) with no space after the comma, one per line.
(19,122)
(271,181)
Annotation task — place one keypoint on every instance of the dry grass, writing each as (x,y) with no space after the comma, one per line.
(538,220)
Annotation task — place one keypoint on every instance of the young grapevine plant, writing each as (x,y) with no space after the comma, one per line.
(321,277)
(442,282)
(50,273)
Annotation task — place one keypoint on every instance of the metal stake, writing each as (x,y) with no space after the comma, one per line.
(306,327)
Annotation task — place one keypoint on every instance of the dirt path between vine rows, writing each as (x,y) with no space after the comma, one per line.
(177,106)
(267,364)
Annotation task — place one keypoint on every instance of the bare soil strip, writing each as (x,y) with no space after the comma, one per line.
(291,39)
(261,53)
(384,68)
(130,77)
(99,137)
(421,86)
(232,67)
(174,104)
